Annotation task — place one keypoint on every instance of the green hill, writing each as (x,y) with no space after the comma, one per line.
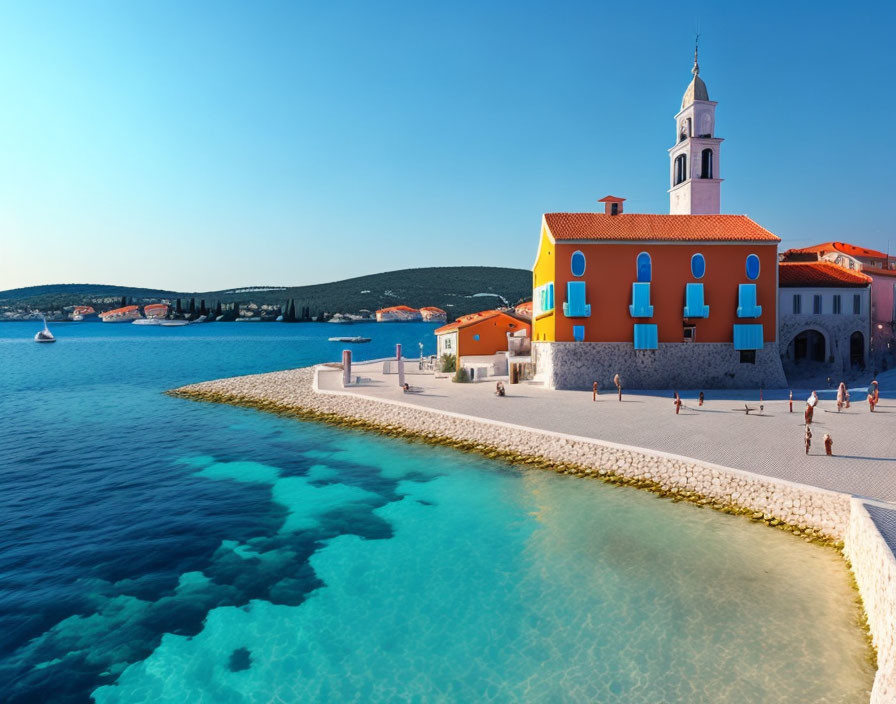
(458,290)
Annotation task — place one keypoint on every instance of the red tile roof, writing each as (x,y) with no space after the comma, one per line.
(843,247)
(433,309)
(405,309)
(473,318)
(810,274)
(877,271)
(646,227)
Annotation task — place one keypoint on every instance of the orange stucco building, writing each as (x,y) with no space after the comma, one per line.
(480,334)
(667,300)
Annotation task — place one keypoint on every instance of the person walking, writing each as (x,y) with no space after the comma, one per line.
(677,403)
(875,391)
(618,382)
(841,396)
(700,399)
(808,438)
(828,445)
(594,391)
(811,402)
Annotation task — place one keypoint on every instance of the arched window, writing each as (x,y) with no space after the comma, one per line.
(706,163)
(577,264)
(682,137)
(698,266)
(681,168)
(752,267)
(644,268)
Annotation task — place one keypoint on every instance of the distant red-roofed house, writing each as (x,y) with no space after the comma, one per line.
(524,310)
(398,314)
(431,314)
(481,334)
(825,314)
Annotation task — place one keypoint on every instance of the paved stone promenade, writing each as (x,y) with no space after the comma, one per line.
(719,432)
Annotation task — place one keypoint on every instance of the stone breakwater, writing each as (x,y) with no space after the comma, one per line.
(813,514)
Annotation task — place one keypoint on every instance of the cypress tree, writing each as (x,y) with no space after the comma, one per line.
(218,309)
(292,311)
(178,309)
(202,309)
(236,311)
(124,301)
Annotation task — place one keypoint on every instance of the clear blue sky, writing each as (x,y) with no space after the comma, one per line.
(203,145)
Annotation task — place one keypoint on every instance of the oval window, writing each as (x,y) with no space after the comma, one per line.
(577,264)
(752,267)
(698,266)
(476,337)
(644,272)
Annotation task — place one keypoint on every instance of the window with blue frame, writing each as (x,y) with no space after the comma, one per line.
(543,299)
(476,337)
(640,307)
(575,306)
(577,264)
(746,301)
(578,333)
(698,266)
(645,270)
(752,267)
(816,304)
(748,337)
(694,306)
(645,336)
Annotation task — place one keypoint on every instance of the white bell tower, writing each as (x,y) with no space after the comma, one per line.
(694,160)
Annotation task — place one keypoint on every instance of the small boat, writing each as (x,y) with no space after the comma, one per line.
(146,321)
(356,338)
(44,335)
(173,323)
(341,319)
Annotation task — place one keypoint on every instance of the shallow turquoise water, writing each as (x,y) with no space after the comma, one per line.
(158,550)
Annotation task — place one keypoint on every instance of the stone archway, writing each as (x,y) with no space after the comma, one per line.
(808,345)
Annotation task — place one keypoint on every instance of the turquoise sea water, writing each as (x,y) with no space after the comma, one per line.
(154,549)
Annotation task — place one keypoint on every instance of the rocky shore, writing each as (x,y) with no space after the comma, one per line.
(813,514)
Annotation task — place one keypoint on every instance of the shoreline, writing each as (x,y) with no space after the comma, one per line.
(830,518)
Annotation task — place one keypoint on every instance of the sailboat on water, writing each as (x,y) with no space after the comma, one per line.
(44,335)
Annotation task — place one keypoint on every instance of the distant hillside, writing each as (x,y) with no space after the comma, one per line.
(458,290)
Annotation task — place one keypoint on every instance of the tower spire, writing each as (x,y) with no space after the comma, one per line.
(696,69)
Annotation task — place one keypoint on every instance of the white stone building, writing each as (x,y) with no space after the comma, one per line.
(825,315)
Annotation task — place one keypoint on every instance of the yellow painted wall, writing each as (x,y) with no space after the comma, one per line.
(543,272)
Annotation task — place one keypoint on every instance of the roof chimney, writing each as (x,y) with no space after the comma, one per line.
(612,205)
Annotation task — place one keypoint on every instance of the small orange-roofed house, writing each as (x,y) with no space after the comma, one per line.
(398,314)
(485,335)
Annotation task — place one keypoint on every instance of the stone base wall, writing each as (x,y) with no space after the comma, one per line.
(874,567)
(836,330)
(577,365)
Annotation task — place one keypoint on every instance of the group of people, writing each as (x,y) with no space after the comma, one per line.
(595,389)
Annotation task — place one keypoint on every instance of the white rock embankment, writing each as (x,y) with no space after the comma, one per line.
(810,511)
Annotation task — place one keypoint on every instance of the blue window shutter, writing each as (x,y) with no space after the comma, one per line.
(575,306)
(578,333)
(640,307)
(746,301)
(644,267)
(645,336)
(694,307)
(748,337)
